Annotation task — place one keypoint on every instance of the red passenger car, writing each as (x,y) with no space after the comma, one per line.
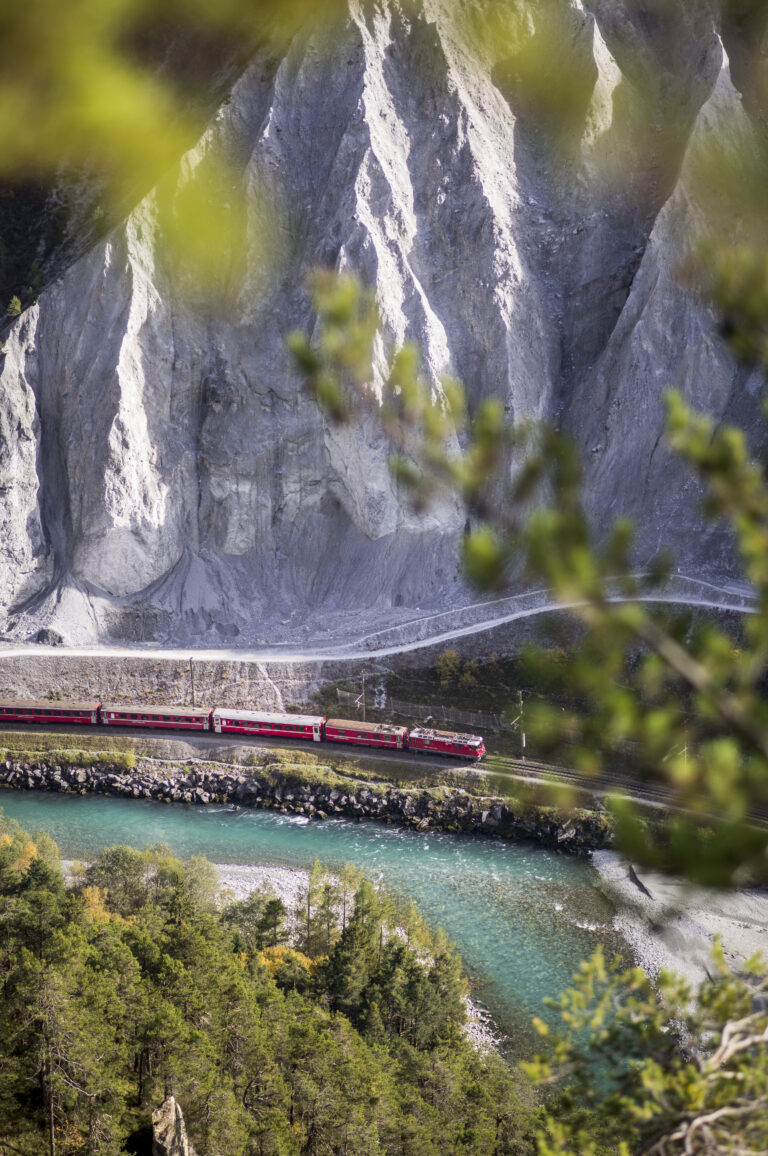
(228,720)
(186,718)
(340,730)
(446,743)
(20,710)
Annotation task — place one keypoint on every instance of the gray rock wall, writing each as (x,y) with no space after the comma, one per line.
(162,474)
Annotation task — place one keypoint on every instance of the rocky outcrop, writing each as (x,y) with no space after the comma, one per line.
(440,808)
(162,473)
(169,1133)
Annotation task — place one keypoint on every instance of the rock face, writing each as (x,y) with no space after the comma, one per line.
(169,1135)
(162,474)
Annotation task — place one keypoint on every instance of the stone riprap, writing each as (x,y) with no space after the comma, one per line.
(441,808)
(163,475)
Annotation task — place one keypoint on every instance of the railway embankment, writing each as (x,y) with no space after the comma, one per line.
(319,793)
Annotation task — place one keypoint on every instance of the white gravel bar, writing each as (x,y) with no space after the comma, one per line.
(674,927)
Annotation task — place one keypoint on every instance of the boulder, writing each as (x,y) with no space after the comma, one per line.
(169,1134)
(49,637)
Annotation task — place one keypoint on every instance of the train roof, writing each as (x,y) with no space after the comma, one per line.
(446,736)
(309,720)
(49,704)
(153,708)
(370,728)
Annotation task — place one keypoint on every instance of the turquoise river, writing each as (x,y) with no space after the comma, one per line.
(521,917)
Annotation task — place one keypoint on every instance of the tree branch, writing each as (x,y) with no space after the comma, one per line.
(699,678)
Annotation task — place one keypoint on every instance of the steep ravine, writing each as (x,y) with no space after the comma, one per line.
(162,474)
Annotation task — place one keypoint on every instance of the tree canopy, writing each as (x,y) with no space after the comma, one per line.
(131,986)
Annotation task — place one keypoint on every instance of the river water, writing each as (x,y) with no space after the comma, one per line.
(522,917)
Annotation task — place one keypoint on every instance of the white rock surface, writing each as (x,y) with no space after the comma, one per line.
(162,474)
(673,926)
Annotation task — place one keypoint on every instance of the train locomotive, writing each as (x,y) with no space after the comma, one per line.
(233,720)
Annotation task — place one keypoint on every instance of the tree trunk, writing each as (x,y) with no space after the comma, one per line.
(51,1121)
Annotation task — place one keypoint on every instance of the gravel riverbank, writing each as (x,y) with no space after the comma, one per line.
(672,925)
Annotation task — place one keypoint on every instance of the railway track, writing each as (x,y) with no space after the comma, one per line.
(530,771)
(598,787)
(648,794)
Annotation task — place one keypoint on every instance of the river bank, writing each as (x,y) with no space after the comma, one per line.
(672,925)
(317,792)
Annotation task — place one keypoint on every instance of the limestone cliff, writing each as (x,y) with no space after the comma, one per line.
(162,474)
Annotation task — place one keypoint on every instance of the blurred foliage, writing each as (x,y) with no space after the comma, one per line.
(100,100)
(103,81)
(654,1067)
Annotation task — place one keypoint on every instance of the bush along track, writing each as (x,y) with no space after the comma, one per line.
(318,793)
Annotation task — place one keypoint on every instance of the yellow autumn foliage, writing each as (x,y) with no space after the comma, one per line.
(27,856)
(275,957)
(95,907)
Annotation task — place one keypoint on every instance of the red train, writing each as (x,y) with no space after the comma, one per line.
(231,720)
